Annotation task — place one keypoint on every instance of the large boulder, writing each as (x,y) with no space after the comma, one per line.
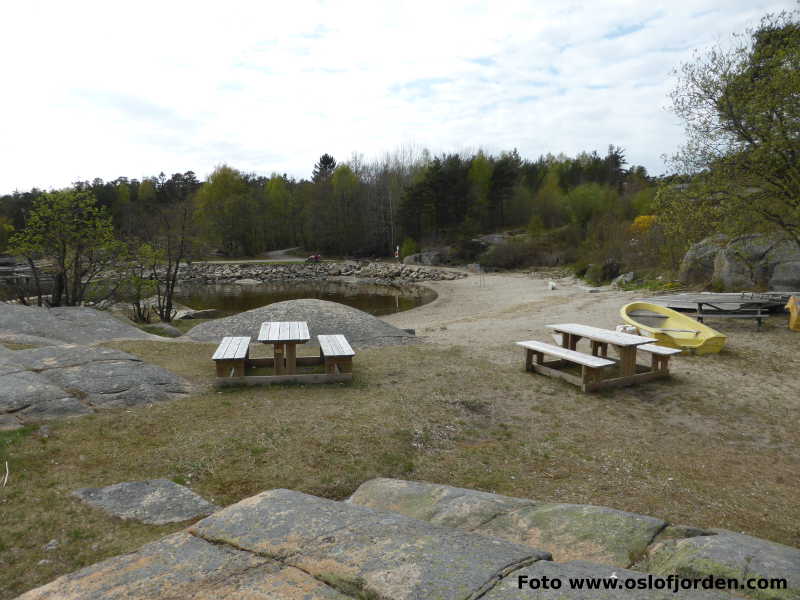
(323,318)
(743,263)
(54,382)
(71,325)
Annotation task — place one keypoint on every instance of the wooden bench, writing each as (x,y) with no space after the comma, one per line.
(336,354)
(231,356)
(659,356)
(590,365)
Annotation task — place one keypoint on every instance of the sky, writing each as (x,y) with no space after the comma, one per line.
(109,89)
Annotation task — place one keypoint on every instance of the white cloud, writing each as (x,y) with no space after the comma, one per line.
(99,89)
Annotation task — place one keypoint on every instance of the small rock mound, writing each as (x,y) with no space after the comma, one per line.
(154,502)
(323,318)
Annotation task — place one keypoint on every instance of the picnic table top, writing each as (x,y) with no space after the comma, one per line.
(616,338)
(281,332)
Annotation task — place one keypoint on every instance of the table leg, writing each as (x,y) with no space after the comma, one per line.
(627,360)
(279,366)
(291,361)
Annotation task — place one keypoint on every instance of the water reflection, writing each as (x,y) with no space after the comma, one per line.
(372,298)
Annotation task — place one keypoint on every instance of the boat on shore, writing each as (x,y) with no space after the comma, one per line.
(672,329)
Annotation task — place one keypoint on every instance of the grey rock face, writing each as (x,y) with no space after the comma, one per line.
(323,317)
(568,531)
(730,554)
(63,381)
(155,502)
(697,266)
(72,325)
(786,277)
(743,263)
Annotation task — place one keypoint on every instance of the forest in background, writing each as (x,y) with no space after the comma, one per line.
(366,209)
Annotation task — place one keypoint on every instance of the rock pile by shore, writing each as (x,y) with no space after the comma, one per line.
(374,272)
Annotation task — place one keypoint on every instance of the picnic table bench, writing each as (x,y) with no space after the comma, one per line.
(590,365)
(231,356)
(336,353)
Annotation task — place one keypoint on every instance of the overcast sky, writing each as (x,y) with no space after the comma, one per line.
(108,89)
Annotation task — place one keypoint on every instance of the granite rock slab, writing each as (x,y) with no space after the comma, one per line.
(183,566)
(729,554)
(381,553)
(440,504)
(568,531)
(579,532)
(154,502)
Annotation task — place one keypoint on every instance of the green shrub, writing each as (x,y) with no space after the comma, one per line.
(510,255)
(594,274)
(408,248)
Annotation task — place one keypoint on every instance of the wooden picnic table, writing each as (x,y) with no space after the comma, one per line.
(284,336)
(625,343)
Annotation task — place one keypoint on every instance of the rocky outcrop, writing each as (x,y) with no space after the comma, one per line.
(54,382)
(323,318)
(724,553)
(253,273)
(286,545)
(154,502)
(594,533)
(71,325)
(568,531)
(743,263)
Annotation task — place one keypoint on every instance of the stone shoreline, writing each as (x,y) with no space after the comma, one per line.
(367,272)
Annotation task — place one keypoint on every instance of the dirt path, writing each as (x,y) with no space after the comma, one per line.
(509,307)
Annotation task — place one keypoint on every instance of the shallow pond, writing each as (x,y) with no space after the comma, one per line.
(372,298)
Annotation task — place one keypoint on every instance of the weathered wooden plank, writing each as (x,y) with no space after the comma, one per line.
(296,378)
(335,345)
(656,349)
(616,382)
(570,355)
(232,348)
(601,335)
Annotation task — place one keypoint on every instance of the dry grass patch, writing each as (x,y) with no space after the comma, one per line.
(682,450)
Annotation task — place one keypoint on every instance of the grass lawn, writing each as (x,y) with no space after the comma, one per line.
(416,412)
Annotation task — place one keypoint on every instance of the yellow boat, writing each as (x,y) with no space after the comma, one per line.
(672,329)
